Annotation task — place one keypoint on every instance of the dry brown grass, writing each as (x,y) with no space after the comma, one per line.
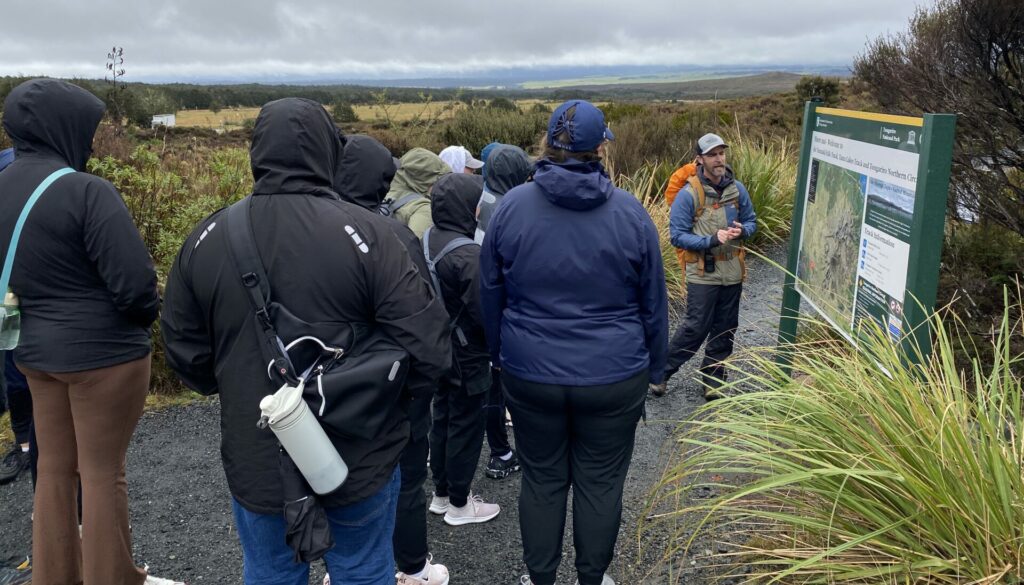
(399,113)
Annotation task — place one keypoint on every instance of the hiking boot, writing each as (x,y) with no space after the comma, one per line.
(432,575)
(606,581)
(13,464)
(438,504)
(498,468)
(659,390)
(475,511)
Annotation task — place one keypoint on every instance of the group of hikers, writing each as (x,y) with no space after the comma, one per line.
(437,293)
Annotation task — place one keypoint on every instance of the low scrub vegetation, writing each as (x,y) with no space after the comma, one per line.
(862,468)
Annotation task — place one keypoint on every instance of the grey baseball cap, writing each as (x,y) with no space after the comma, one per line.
(708,142)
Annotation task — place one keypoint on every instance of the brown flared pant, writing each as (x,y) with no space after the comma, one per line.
(84,422)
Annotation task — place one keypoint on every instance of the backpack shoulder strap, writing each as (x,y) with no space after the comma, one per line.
(698,195)
(436,282)
(12,248)
(245,257)
(432,262)
(402,202)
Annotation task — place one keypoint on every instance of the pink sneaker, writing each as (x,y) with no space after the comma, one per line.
(475,510)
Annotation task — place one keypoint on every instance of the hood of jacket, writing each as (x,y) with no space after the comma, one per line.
(365,171)
(453,202)
(574,184)
(418,170)
(295,149)
(53,118)
(507,166)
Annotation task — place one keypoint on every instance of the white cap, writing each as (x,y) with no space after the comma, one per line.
(708,142)
(458,158)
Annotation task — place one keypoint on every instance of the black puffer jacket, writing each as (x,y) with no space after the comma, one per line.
(85,280)
(320,274)
(453,204)
(363,177)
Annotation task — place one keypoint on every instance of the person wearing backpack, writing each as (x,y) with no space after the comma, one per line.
(711,215)
(87,292)
(509,167)
(363,177)
(408,200)
(456,436)
(332,264)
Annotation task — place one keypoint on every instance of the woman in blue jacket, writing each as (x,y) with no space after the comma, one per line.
(575,311)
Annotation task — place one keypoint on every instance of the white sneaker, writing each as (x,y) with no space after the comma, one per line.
(151,580)
(432,575)
(327,580)
(606,581)
(438,504)
(475,511)
(525,580)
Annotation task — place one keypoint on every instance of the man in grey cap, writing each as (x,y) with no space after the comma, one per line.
(710,218)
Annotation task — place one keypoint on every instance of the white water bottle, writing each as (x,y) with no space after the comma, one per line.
(10,322)
(304,439)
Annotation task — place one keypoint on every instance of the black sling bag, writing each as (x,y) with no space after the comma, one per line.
(353,375)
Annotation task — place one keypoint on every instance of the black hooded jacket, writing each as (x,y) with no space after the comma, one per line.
(453,204)
(84,278)
(507,167)
(363,178)
(321,274)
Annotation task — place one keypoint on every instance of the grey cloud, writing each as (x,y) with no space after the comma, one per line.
(387,37)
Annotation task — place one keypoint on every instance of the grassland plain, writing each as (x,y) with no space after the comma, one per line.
(397,112)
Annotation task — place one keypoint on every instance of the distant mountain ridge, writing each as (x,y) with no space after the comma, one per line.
(515,78)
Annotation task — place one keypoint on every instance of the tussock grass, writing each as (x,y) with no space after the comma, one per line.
(849,475)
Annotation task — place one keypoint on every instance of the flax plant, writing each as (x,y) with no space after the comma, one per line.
(861,469)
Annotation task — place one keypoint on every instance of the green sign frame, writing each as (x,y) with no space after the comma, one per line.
(930,138)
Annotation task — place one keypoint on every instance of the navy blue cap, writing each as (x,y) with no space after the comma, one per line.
(587,129)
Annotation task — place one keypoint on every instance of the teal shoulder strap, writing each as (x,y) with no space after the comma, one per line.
(5,278)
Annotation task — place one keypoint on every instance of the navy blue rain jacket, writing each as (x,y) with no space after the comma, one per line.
(572,285)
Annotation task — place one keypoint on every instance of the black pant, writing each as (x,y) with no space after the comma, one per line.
(19,399)
(410,536)
(580,436)
(712,313)
(497,433)
(456,439)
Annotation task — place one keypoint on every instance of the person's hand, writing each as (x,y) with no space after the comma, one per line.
(732,233)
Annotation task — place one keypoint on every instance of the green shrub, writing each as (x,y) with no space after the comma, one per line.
(167,197)
(849,475)
(768,170)
(475,128)
(613,112)
(343,113)
(500,103)
(826,88)
(648,185)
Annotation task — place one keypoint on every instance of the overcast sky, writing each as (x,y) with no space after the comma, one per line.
(185,39)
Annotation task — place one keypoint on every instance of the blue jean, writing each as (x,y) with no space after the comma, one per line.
(362,553)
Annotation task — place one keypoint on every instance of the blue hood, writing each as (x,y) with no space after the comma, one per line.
(575,185)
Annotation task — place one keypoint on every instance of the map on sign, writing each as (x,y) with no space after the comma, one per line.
(827,266)
(854,251)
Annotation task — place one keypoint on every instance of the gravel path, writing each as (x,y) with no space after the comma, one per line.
(181,514)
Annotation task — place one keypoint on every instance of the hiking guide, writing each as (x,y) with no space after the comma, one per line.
(710,217)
